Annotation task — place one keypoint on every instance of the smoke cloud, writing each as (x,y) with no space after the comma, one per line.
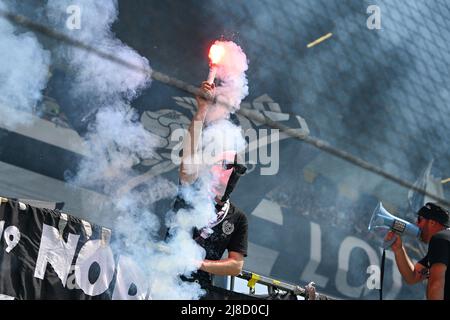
(218,136)
(233,83)
(222,136)
(90,82)
(24,72)
(96,95)
(117,142)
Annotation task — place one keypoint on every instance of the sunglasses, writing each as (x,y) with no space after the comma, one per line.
(225,165)
(239,168)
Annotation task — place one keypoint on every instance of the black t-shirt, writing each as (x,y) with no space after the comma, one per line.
(230,234)
(439,252)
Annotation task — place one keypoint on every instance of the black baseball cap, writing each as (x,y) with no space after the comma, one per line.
(434,212)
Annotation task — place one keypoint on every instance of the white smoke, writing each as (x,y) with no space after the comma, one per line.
(116,139)
(233,83)
(117,142)
(218,136)
(24,71)
(221,136)
(104,81)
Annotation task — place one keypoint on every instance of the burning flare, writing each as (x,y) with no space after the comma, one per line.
(216,53)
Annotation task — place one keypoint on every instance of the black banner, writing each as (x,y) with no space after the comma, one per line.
(42,249)
(47,254)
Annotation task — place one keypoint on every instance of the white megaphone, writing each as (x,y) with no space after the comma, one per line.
(382,222)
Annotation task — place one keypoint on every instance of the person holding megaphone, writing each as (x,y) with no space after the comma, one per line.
(433,222)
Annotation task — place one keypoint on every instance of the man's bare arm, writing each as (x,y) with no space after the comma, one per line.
(436,282)
(232,266)
(191,142)
(410,272)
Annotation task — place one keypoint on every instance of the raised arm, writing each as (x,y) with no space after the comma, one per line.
(411,273)
(191,144)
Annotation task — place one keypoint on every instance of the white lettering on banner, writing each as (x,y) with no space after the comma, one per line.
(12,237)
(55,251)
(309,274)
(347,246)
(93,254)
(6,297)
(131,283)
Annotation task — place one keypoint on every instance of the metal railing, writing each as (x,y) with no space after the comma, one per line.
(273,284)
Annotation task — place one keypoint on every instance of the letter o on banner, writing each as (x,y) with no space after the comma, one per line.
(93,255)
(129,276)
(347,246)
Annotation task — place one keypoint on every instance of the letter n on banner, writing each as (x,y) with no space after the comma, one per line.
(55,251)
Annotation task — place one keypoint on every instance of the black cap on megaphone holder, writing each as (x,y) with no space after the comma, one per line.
(432,211)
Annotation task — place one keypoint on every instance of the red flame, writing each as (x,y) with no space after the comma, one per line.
(216,53)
